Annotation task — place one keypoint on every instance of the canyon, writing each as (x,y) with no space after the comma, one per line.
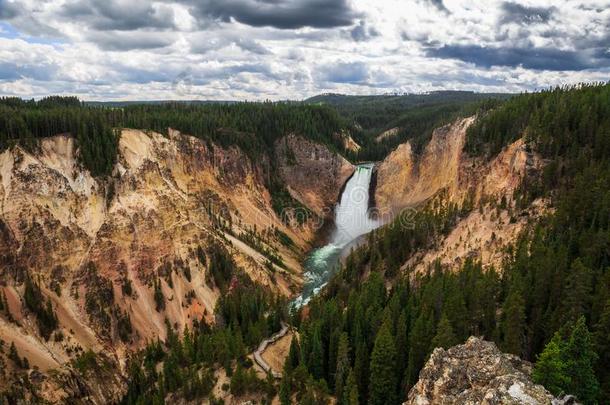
(169,200)
(172,198)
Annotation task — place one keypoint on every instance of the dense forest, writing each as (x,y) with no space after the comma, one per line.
(549,303)
(414,116)
(251,126)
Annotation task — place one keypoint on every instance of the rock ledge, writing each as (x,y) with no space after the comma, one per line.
(477,372)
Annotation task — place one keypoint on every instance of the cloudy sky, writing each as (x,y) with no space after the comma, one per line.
(280,49)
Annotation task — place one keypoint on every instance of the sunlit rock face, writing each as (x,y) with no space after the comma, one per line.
(445,172)
(84,238)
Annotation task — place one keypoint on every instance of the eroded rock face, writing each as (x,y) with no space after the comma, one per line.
(476,372)
(445,172)
(404,179)
(313,174)
(84,240)
(96,245)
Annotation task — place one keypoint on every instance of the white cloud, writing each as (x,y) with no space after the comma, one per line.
(99,50)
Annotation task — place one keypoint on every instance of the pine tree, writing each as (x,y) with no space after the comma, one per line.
(551,369)
(350,391)
(581,359)
(402,344)
(285,389)
(293,358)
(578,289)
(238,381)
(601,338)
(383,379)
(361,370)
(513,323)
(343,364)
(332,351)
(13,355)
(445,337)
(455,310)
(158,295)
(268,385)
(423,332)
(187,345)
(316,357)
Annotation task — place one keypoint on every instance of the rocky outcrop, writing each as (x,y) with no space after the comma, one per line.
(407,180)
(476,373)
(313,174)
(387,134)
(348,142)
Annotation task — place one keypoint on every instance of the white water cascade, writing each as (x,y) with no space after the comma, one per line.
(352,220)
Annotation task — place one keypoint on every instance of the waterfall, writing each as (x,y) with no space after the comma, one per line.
(351,219)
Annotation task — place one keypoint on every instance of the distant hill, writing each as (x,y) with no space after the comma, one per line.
(405,116)
(404,100)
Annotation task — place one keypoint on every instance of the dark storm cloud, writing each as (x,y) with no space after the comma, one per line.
(519,14)
(352,73)
(8,10)
(283,14)
(124,15)
(529,58)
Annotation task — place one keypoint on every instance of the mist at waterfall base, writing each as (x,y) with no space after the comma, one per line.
(352,220)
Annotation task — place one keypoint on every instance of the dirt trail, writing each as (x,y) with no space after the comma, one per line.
(258,353)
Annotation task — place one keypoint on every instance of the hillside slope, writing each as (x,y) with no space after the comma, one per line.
(119,259)
(446,173)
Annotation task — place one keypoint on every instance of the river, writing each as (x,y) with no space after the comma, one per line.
(351,220)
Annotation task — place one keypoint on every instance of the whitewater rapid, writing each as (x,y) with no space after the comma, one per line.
(351,220)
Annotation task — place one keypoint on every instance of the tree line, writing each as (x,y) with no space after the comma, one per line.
(251,126)
(415,116)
